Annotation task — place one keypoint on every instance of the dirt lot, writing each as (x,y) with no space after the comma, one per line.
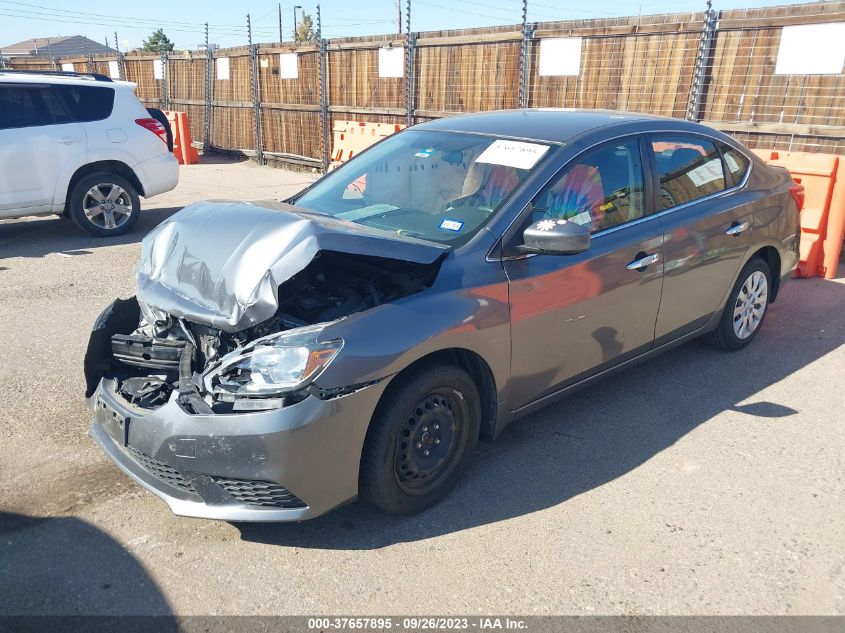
(703,482)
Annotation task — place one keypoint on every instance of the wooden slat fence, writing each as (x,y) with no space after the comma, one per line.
(646,64)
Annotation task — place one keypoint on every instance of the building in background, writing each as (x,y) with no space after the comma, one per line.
(59,46)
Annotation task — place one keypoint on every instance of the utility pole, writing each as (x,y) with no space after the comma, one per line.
(116,47)
(399,16)
(281,36)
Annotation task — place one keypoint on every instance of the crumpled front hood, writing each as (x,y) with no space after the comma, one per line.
(221,263)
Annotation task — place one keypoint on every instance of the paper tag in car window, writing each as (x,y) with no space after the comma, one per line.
(425,153)
(513,154)
(451,225)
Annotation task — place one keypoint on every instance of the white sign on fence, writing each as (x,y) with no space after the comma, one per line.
(67,67)
(391,62)
(560,56)
(222,67)
(289,66)
(158,69)
(114,70)
(811,49)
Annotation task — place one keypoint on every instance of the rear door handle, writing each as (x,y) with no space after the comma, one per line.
(68,140)
(643,262)
(737,228)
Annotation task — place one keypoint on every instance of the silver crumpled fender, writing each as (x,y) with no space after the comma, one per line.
(221,263)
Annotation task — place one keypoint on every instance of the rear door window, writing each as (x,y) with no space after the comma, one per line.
(88,103)
(29,106)
(689,168)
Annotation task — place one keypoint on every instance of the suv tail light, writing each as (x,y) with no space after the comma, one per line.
(797,193)
(157,128)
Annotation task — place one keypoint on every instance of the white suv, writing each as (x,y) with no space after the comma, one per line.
(81,145)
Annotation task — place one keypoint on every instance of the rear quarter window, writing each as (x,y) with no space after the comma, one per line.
(88,103)
(736,165)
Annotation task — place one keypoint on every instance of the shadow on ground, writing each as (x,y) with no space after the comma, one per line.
(65,566)
(37,237)
(603,432)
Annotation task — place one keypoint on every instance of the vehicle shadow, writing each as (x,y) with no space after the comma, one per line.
(65,566)
(37,237)
(602,432)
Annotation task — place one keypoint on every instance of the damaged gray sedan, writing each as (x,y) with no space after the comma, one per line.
(283,358)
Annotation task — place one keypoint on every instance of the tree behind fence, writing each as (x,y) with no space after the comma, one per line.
(655,64)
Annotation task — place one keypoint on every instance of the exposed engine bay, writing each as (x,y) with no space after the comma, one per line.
(155,357)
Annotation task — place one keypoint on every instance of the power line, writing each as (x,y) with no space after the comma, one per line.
(516,11)
(481,15)
(114,17)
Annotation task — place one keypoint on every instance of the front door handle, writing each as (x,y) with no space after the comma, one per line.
(737,228)
(643,262)
(68,140)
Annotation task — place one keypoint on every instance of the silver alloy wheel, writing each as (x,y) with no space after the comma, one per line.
(750,305)
(107,205)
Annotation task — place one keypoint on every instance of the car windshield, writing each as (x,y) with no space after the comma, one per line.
(437,186)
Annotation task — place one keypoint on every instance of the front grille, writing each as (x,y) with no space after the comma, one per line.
(167,474)
(260,493)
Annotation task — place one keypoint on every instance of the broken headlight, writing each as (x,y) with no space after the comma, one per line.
(273,365)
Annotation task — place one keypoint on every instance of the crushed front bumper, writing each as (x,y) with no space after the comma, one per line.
(286,464)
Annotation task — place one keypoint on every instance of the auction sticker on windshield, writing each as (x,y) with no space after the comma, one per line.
(513,154)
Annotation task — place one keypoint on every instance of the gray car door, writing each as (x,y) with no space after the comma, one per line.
(706,224)
(573,315)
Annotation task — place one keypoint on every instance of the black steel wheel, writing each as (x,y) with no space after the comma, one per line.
(431,437)
(422,435)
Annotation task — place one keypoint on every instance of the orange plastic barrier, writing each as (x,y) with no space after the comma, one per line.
(351,137)
(835,233)
(823,214)
(185,153)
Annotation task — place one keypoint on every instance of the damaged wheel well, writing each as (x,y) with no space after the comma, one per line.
(481,375)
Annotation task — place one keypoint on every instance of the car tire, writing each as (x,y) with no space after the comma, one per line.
(422,435)
(161,117)
(113,217)
(745,309)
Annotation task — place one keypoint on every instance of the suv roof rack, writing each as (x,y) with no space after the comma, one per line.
(56,73)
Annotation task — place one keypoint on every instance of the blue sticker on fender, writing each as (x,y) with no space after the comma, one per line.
(451,225)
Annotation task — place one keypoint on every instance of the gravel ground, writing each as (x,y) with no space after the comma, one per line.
(700,483)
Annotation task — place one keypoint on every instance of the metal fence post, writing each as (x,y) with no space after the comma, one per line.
(324,105)
(699,76)
(209,69)
(411,41)
(527,34)
(165,89)
(256,93)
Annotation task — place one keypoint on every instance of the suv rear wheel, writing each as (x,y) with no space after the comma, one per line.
(104,204)
(423,434)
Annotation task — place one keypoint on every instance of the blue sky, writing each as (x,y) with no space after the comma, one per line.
(183,20)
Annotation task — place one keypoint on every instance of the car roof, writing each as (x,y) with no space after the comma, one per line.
(551,125)
(54,78)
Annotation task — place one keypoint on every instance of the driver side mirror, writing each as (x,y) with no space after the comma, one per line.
(556,237)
